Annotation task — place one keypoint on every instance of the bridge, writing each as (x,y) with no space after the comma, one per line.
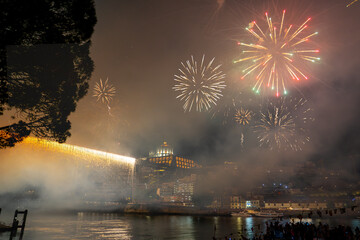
(99,178)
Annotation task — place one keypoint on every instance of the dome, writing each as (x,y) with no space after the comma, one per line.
(164,150)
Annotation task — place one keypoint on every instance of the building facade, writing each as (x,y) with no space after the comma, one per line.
(296,205)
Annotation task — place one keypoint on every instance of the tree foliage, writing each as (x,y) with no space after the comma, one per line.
(44,65)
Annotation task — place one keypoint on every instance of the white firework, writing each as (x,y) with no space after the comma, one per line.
(200,85)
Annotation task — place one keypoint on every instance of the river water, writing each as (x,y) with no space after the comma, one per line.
(119,226)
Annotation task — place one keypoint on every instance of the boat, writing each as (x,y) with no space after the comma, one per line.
(241,214)
(268,214)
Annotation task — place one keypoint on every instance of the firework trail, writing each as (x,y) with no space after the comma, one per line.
(199,84)
(278,55)
(236,110)
(351,3)
(242,140)
(243,118)
(282,124)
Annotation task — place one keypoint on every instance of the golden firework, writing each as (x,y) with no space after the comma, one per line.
(104,91)
(243,116)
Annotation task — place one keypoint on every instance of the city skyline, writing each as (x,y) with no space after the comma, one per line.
(138,53)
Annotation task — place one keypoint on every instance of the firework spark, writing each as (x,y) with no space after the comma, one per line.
(282,124)
(200,85)
(104,91)
(278,54)
(351,3)
(243,116)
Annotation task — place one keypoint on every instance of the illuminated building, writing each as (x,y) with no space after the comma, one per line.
(163,166)
(252,204)
(165,157)
(163,150)
(167,191)
(179,192)
(184,189)
(237,202)
(173,161)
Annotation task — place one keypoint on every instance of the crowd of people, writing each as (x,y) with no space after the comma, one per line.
(302,231)
(308,231)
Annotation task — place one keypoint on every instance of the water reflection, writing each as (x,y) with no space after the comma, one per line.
(133,227)
(249,226)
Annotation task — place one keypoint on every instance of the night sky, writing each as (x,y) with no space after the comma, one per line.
(139,45)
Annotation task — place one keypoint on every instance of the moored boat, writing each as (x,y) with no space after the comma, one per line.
(241,214)
(268,214)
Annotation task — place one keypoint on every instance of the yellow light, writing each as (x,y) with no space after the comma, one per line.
(77,151)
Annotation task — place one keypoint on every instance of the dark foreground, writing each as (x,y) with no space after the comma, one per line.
(305,231)
(136,227)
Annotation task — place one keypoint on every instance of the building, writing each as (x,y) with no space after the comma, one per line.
(161,170)
(179,192)
(162,151)
(167,192)
(173,161)
(237,202)
(164,156)
(184,190)
(296,205)
(252,204)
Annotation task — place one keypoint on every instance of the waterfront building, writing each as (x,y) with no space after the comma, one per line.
(184,189)
(252,204)
(237,202)
(179,192)
(341,204)
(166,172)
(167,190)
(296,205)
(164,157)
(163,166)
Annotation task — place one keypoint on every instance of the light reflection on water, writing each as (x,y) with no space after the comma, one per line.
(133,227)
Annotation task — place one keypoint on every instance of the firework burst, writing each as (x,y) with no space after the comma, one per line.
(282,124)
(278,55)
(104,91)
(243,116)
(235,97)
(199,84)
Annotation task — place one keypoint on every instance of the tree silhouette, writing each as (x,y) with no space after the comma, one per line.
(44,65)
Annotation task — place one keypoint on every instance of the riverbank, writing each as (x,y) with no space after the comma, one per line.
(108,226)
(161,209)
